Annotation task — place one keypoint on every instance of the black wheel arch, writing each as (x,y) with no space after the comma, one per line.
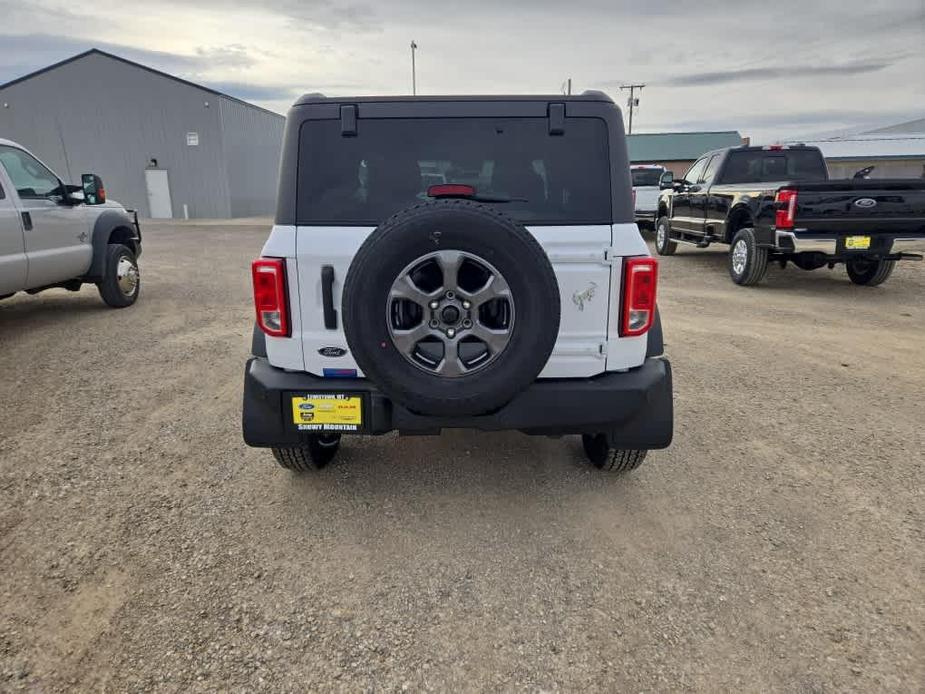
(258,342)
(655,345)
(112,226)
(739,217)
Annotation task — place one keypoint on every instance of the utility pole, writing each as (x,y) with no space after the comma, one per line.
(414,77)
(633,102)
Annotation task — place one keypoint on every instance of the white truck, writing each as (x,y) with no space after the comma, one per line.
(57,235)
(456,262)
(648,182)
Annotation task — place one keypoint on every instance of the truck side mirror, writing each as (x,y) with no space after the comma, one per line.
(94,192)
(666,181)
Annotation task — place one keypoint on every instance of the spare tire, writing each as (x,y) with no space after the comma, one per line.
(451,308)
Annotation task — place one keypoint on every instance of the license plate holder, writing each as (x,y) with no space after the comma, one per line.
(318,412)
(857,243)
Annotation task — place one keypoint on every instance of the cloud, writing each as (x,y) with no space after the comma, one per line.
(861,64)
(305,15)
(805,123)
(772,73)
(26,53)
(254,92)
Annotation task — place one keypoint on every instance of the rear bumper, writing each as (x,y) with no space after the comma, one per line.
(646,216)
(634,408)
(797,241)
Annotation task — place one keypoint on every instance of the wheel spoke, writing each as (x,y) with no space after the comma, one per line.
(407,340)
(451,364)
(404,288)
(495,339)
(495,288)
(449,262)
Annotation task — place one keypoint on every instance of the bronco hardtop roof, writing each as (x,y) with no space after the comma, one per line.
(353,112)
(589,95)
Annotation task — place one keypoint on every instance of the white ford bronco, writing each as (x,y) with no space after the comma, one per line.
(456,262)
(58,235)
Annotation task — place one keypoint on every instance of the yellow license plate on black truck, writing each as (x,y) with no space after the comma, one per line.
(327,412)
(857,243)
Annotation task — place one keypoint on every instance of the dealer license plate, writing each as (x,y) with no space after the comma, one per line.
(327,412)
(857,243)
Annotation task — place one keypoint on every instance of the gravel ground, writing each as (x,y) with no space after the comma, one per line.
(777,545)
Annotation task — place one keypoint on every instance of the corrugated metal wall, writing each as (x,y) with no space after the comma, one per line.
(102,115)
(252,143)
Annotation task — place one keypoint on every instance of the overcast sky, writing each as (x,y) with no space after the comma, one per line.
(768,69)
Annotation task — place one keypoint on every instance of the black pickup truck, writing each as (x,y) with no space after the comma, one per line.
(777,203)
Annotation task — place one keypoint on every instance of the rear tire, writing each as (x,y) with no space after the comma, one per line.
(868,272)
(604,457)
(121,281)
(748,262)
(663,243)
(313,455)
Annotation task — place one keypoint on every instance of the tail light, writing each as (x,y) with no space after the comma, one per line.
(786,200)
(634,198)
(270,296)
(640,280)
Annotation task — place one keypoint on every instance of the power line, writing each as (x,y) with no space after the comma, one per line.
(633,101)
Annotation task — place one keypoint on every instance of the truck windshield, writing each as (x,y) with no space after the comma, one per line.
(755,166)
(646,177)
(390,164)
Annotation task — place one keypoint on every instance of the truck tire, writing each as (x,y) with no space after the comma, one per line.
(121,282)
(748,262)
(313,455)
(451,308)
(869,272)
(604,457)
(663,243)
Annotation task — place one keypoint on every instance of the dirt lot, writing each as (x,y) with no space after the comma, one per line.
(778,544)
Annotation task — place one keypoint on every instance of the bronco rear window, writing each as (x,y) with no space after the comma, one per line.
(390,164)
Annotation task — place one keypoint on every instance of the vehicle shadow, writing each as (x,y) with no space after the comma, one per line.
(470,467)
(790,279)
(23,312)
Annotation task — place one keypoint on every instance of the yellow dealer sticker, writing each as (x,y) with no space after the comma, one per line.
(857,243)
(328,412)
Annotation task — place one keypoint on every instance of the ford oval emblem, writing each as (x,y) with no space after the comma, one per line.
(332,351)
(865,202)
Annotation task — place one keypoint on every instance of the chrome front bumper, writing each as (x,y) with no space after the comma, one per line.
(794,242)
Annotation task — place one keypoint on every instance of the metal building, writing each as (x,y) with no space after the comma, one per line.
(894,151)
(162,145)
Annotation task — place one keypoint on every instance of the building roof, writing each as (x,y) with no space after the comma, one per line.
(872,147)
(909,128)
(97,51)
(678,146)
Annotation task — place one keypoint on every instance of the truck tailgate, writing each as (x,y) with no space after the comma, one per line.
(888,206)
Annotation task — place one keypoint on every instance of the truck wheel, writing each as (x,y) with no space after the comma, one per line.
(869,272)
(451,307)
(605,457)
(121,281)
(314,455)
(748,263)
(663,243)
